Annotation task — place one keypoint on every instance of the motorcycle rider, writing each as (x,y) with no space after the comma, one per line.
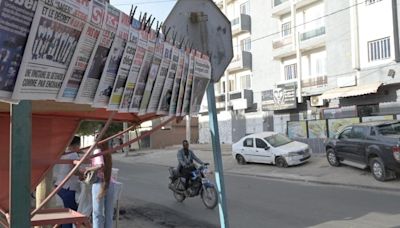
(186,166)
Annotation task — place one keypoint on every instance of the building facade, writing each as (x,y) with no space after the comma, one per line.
(298,60)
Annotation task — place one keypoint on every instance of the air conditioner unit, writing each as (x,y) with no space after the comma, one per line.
(316,101)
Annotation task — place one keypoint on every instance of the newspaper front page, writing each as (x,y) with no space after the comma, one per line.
(84,50)
(110,71)
(15,22)
(188,87)
(134,71)
(182,87)
(125,66)
(160,79)
(155,65)
(201,79)
(55,31)
(143,73)
(99,57)
(177,83)
(166,95)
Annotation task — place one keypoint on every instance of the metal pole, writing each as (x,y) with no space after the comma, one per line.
(188,128)
(219,173)
(20,164)
(126,138)
(212,113)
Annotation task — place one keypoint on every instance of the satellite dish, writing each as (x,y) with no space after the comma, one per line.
(218,29)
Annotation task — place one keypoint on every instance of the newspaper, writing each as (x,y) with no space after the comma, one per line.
(201,78)
(183,83)
(86,45)
(166,95)
(188,87)
(125,66)
(160,79)
(177,83)
(110,71)
(91,78)
(134,71)
(15,22)
(155,65)
(54,34)
(143,73)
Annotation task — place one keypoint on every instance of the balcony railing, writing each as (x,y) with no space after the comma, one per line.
(241,24)
(278,2)
(312,33)
(281,42)
(241,62)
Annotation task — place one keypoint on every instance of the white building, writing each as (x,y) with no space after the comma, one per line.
(305,60)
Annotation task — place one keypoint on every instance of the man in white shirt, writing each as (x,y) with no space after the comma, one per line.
(67,192)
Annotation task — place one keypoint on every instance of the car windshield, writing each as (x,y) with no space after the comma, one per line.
(389,129)
(277,140)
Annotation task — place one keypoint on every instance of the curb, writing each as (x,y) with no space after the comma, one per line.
(315,181)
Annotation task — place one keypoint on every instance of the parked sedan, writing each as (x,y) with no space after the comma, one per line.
(270,148)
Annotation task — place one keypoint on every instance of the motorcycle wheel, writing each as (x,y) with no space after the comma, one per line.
(209,196)
(179,197)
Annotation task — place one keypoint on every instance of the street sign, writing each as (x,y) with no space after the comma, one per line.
(218,30)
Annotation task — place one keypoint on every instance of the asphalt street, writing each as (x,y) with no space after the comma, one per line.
(254,202)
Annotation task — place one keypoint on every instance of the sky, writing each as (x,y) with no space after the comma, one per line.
(158,8)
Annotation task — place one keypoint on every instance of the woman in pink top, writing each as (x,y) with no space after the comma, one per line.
(102,189)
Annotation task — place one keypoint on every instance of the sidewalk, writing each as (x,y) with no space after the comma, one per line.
(317,170)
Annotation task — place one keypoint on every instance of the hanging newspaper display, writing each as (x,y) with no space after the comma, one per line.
(166,95)
(110,71)
(54,35)
(15,22)
(182,87)
(143,73)
(155,65)
(134,71)
(160,79)
(188,88)
(201,78)
(80,59)
(177,83)
(98,58)
(125,66)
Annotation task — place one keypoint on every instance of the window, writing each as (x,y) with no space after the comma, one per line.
(286,29)
(245,8)
(359,132)
(290,71)
(278,140)
(389,129)
(261,144)
(345,134)
(248,142)
(379,49)
(245,82)
(245,44)
(369,2)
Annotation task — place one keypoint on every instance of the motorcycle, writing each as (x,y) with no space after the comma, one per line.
(199,184)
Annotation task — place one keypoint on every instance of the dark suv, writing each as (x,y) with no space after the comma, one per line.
(373,144)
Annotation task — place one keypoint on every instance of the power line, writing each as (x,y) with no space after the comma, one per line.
(307,22)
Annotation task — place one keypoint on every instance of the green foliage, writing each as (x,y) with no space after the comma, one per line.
(91,127)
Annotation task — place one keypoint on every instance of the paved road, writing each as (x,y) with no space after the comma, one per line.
(255,202)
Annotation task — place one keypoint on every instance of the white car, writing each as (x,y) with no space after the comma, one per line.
(270,148)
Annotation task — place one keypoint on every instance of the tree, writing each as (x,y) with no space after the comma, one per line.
(90,128)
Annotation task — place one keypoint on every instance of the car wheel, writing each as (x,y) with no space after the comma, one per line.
(378,169)
(331,156)
(281,162)
(240,159)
